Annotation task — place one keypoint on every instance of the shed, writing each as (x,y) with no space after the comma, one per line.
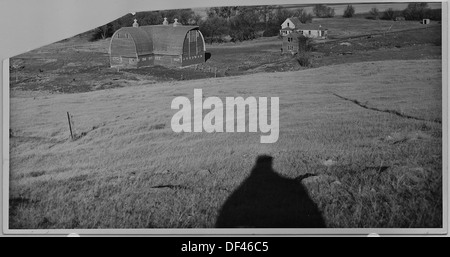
(166,45)
(426,21)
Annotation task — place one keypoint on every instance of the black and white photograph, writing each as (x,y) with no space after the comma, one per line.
(283,116)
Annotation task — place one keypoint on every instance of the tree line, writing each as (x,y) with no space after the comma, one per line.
(246,23)
(414,12)
(239,23)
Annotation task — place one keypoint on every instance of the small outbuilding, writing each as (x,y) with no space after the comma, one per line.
(426,21)
(169,45)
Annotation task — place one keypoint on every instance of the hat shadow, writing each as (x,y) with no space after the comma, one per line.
(267,200)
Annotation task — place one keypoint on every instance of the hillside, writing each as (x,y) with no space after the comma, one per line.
(77,65)
(365,168)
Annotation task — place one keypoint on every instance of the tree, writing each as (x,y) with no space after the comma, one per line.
(148,18)
(416,11)
(303,16)
(213,27)
(322,11)
(389,14)
(223,12)
(266,15)
(195,19)
(375,13)
(184,16)
(349,11)
(243,26)
(103,32)
(281,15)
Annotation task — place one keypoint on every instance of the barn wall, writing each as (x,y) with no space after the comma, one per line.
(126,62)
(146,60)
(193,49)
(171,61)
(123,46)
(193,60)
(123,51)
(193,44)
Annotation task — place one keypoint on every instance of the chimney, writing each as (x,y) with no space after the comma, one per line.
(176,23)
(135,24)
(165,23)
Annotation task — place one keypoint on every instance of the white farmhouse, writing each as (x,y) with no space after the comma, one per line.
(308,30)
(290,25)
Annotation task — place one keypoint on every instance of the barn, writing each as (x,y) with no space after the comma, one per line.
(169,45)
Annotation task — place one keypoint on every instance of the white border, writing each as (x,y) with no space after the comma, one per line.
(5,146)
(228,232)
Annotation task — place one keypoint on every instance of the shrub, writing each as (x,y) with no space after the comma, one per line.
(375,13)
(322,11)
(419,11)
(304,59)
(271,31)
(349,12)
(415,11)
(102,32)
(305,44)
(389,14)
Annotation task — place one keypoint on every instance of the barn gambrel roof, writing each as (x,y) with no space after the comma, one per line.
(142,41)
(158,39)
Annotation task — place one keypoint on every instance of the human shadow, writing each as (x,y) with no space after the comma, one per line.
(268,200)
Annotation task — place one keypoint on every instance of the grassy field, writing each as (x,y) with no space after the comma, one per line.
(357,167)
(345,27)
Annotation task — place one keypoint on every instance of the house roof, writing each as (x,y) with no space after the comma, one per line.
(309,26)
(303,26)
(296,21)
(159,39)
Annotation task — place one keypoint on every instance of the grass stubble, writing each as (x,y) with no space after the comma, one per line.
(129,170)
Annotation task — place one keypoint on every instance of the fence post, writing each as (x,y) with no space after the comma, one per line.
(70,125)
